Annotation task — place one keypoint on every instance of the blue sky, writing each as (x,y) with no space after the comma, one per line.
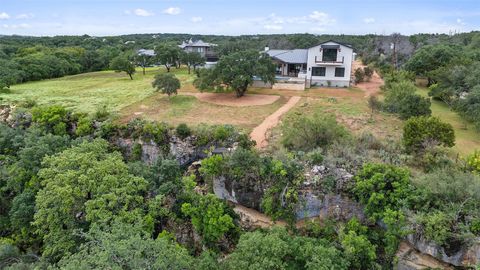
(232,17)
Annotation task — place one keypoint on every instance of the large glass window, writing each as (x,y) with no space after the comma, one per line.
(339,72)
(329,55)
(319,71)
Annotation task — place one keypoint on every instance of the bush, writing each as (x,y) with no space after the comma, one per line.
(102,113)
(52,118)
(368,72)
(396,93)
(315,157)
(359,75)
(414,105)
(473,162)
(183,131)
(380,187)
(84,127)
(419,132)
(306,133)
(209,216)
(223,132)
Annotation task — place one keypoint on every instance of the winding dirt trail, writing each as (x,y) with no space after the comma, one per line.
(259,134)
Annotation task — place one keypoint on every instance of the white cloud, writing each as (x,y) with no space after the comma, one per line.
(172,11)
(142,12)
(196,19)
(461,22)
(4,16)
(25,16)
(321,18)
(273,27)
(369,20)
(16,26)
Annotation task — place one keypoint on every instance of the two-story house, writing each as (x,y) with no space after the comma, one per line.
(327,64)
(205,49)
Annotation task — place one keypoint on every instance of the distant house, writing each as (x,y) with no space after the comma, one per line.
(327,64)
(205,49)
(144,52)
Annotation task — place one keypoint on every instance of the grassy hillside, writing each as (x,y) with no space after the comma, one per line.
(86,92)
(467,137)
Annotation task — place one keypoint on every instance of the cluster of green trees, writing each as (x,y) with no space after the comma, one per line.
(453,73)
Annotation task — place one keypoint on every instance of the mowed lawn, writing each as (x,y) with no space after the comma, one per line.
(188,109)
(467,137)
(89,91)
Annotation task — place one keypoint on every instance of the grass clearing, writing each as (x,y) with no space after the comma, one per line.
(467,138)
(89,91)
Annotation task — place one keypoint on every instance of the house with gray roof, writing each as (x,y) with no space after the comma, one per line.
(327,64)
(205,49)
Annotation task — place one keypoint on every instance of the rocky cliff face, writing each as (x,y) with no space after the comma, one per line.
(184,151)
(462,256)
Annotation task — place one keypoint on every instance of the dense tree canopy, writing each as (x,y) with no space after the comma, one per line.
(80,186)
(236,72)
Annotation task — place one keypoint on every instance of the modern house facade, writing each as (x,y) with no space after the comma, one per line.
(327,64)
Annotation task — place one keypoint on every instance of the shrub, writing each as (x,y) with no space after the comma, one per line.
(396,93)
(359,75)
(136,152)
(305,133)
(420,131)
(380,187)
(102,113)
(84,127)
(437,227)
(473,162)
(158,132)
(183,131)
(223,132)
(52,118)
(368,72)
(414,105)
(209,217)
(315,156)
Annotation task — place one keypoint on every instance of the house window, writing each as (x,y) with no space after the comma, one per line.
(329,55)
(319,71)
(339,72)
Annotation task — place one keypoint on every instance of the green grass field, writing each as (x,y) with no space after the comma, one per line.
(87,92)
(467,137)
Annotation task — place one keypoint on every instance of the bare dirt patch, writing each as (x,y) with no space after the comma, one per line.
(372,87)
(230,99)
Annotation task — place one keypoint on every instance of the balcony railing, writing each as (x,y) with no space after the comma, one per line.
(320,60)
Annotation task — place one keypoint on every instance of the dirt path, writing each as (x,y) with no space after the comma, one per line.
(371,87)
(230,99)
(255,218)
(259,134)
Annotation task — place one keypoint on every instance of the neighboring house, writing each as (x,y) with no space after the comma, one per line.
(144,52)
(203,48)
(327,64)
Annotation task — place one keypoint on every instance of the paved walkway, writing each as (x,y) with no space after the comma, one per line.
(259,134)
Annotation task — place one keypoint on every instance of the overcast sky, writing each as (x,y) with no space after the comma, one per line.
(235,17)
